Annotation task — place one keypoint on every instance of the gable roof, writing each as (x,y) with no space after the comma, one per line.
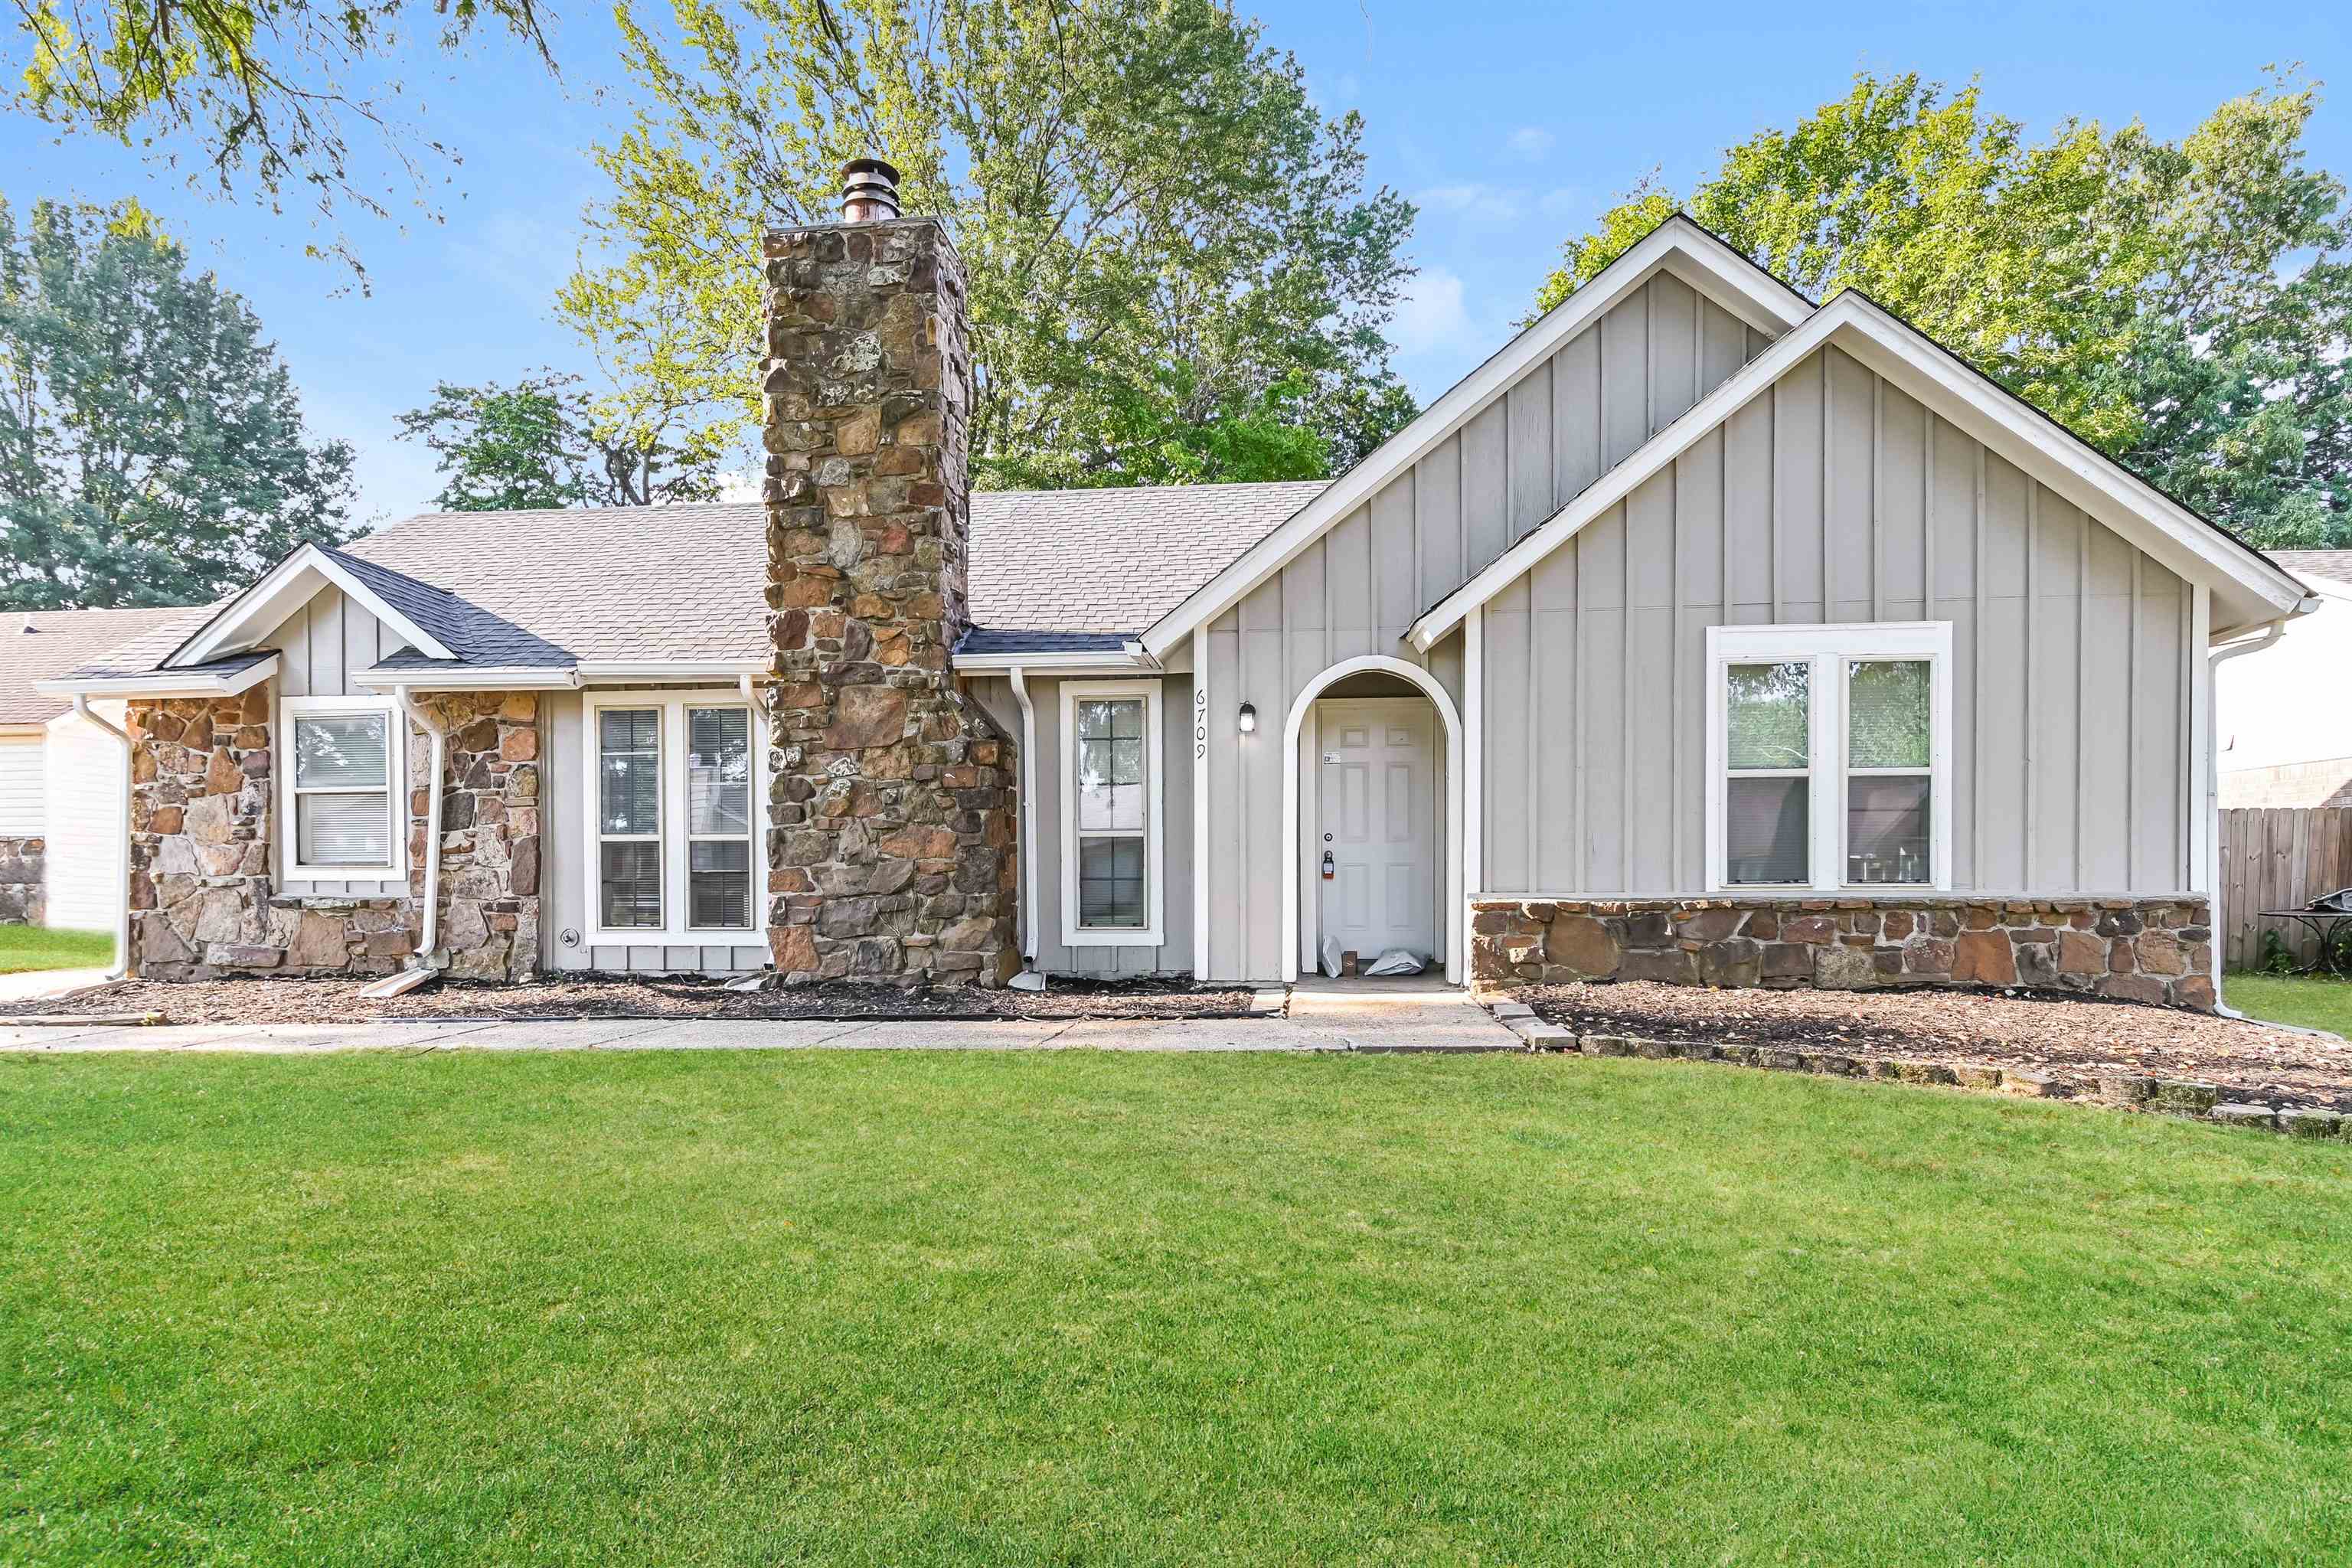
(1680,246)
(2247,587)
(44,643)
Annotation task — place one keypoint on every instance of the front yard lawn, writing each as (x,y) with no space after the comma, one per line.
(2314,1001)
(913,1308)
(39,947)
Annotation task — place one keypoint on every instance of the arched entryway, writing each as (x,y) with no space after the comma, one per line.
(1300,931)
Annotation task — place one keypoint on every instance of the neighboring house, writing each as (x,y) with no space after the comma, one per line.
(1701,634)
(2286,718)
(60,792)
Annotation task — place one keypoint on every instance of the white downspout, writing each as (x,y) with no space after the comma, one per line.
(437,745)
(1028,849)
(122,905)
(2212,803)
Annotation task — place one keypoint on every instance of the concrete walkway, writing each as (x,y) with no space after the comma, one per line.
(1324,1016)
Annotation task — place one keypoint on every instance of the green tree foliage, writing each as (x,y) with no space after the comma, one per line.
(262,87)
(152,449)
(539,444)
(1176,272)
(2183,305)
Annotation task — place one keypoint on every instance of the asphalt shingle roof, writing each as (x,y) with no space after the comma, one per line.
(1049,570)
(1112,561)
(61,642)
(2336,566)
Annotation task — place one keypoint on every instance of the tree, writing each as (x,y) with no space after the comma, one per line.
(2143,292)
(152,449)
(1175,272)
(538,444)
(261,88)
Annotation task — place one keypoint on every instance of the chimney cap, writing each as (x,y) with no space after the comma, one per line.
(869,191)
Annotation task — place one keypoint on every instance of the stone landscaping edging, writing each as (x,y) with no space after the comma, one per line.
(2174,1097)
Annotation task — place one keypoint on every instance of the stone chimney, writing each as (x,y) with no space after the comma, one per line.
(890,848)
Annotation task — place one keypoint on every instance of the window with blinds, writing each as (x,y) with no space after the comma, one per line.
(340,788)
(1110,800)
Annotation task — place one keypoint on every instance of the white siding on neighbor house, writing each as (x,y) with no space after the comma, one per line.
(319,648)
(1357,589)
(2288,706)
(23,788)
(2072,651)
(564,875)
(84,864)
(1173,954)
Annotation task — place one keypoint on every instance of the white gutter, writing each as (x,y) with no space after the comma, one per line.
(2212,803)
(1028,815)
(1061,661)
(438,747)
(122,905)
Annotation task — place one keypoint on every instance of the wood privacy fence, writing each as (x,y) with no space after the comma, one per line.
(2278,860)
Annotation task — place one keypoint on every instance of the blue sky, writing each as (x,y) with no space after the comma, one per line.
(1510,125)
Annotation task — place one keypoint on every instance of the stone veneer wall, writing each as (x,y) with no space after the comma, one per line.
(2140,950)
(890,849)
(202,801)
(23,879)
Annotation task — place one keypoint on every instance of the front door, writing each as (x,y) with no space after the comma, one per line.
(1379,825)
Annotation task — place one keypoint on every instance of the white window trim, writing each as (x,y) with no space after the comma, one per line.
(1153,932)
(673,932)
(397,786)
(1828,647)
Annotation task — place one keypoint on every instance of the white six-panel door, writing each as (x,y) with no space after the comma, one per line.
(1379,825)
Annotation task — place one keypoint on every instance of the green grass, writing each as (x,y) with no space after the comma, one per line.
(39,947)
(2314,1002)
(894,1308)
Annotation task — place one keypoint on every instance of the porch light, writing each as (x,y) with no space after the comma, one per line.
(1249,719)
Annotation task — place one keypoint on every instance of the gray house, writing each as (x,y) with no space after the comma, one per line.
(1701,634)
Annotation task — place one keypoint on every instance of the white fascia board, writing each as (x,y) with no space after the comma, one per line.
(161,683)
(2046,451)
(728,669)
(1060,662)
(266,603)
(467,677)
(2322,588)
(1678,246)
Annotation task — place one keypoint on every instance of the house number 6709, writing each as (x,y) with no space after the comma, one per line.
(1200,721)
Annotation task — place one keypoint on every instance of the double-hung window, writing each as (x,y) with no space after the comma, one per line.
(342,786)
(1111,893)
(1828,751)
(673,815)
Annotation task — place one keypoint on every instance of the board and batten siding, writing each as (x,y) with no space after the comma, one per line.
(319,648)
(564,879)
(1173,954)
(1356,590)
(1837,498)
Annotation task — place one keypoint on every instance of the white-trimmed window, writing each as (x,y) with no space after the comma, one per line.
(673,815)
(1828,756)
(341,786)
(1111,774)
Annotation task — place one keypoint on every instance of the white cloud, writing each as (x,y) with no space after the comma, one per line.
(1493,204)
(1562,201)
(1530,142)
(1431,315)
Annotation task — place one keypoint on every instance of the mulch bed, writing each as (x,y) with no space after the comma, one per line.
(265,1001)
(2067,1037)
